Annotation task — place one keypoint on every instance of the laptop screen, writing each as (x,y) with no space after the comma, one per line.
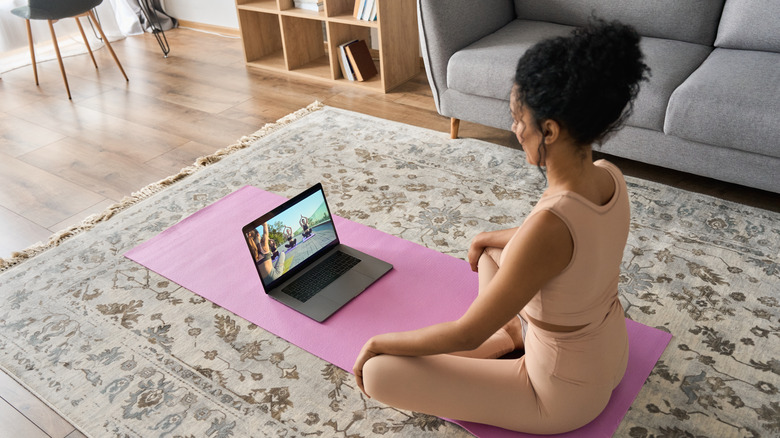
(283,240)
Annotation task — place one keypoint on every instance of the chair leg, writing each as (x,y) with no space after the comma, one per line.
(59,57)
(32,51)
(108,45)
(454,125)
(83,35)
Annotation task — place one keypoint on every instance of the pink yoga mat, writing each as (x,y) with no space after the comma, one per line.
(206,254)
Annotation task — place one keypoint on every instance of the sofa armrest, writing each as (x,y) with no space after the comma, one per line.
(447,26)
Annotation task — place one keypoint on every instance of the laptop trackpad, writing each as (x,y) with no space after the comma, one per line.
(347,286)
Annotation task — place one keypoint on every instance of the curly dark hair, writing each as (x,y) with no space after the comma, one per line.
(586,81)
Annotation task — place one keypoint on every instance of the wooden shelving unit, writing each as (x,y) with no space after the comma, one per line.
(279,37)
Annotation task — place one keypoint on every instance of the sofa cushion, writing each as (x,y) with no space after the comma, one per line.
(732,101)
(694,21)
(670,62)
(750,25)
(487,67)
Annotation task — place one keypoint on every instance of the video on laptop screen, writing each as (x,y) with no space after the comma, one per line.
(291,237)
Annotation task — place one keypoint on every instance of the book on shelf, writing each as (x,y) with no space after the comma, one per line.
(360,60)
(359,6)
(365,10)
(357,11)
(310,5)
(346,67)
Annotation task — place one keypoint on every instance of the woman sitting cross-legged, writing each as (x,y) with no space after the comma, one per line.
(548,286)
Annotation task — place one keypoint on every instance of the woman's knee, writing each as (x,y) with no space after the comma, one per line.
(381,374)
(494,254)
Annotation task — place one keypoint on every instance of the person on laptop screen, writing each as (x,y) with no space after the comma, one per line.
(270,263)
(558,272)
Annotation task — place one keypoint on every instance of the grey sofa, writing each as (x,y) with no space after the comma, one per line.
(711,107)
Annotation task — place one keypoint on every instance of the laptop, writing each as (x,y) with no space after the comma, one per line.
(300,260)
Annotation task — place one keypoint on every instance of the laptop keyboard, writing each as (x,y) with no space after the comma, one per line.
(320,276)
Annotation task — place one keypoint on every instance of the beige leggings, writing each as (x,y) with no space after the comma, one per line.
(563,381)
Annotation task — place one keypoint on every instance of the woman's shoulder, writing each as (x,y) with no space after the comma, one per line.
(609,167)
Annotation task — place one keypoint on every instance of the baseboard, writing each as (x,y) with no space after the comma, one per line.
(222,30)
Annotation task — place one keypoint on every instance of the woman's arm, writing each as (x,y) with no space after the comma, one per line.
(264,238)
(253,249)
(543,249)
(488,239)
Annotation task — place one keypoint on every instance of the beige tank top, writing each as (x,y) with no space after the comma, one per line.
(585,291)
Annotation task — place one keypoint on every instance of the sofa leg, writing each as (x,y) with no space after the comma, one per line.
(454,125)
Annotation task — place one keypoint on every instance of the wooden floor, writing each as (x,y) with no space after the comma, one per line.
(61,160)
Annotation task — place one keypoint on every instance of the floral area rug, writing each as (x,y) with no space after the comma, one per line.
(121,351)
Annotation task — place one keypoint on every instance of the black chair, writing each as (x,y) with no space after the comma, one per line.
(53,10)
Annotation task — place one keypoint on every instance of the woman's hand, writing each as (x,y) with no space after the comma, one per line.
(488,239)
(369,350)
(475,251)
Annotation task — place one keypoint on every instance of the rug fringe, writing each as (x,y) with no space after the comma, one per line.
(90,222)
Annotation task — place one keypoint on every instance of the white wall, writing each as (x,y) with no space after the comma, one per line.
(214,12)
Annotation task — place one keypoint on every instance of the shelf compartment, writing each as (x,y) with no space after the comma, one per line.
(265,45)
(316,68)
(339,7)
(373,84)
(274,61)
(339,33)
(304,43)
